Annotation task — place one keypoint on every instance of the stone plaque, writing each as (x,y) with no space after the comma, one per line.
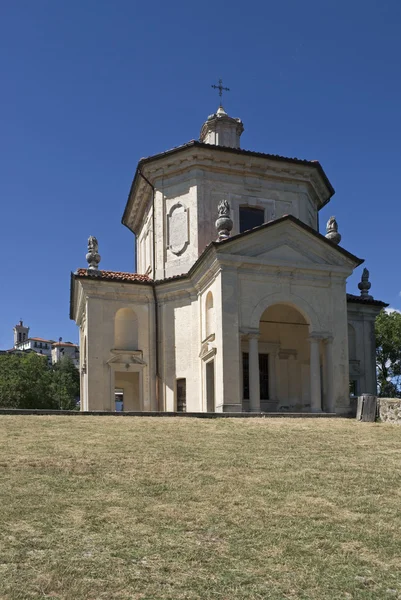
(177,220)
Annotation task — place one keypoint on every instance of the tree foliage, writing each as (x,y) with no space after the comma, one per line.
(65,384)
(388,354)
(27,381)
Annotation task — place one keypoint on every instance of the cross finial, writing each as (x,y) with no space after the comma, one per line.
(220,88)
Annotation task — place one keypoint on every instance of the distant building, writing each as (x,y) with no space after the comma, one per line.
(62,349)
(54,351)
(21,333)
(38,345)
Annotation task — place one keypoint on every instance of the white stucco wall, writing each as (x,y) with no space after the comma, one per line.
(199,195)
(102,301)
(187,191)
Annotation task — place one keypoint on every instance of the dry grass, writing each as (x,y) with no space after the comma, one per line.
(151,508)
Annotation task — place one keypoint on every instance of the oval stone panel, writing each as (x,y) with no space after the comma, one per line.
(177,220)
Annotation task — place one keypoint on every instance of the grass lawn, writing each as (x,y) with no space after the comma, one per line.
(163,508)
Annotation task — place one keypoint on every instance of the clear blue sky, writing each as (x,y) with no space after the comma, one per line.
(89,87)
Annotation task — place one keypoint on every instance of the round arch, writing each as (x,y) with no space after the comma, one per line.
(306,310)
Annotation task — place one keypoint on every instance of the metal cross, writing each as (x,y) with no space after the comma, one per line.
(220,88)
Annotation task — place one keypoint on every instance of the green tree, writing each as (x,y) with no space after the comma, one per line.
(388,354)
(65,384)
(25,381)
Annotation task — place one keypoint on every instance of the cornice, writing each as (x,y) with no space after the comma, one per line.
(218,159)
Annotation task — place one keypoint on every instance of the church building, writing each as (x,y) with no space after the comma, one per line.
(239,303)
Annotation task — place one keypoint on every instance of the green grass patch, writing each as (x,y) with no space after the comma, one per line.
(151,508)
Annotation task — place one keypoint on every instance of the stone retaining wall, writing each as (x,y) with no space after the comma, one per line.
(203,415)
(389,410)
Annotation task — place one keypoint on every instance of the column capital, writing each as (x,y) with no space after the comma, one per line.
(251,334)
(328,340)
(320,336)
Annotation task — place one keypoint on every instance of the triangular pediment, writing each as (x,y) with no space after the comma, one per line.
(288,252)
(288,243)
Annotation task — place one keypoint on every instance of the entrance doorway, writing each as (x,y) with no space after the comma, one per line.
(181,395)
(210,401)
(119,399)
(127,384)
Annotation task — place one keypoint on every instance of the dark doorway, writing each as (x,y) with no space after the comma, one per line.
(245,375)
(181,395)
(264,376)
(210,407)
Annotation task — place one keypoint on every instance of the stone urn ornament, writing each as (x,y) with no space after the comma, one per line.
(93,257)
(224,222)
(365,284)
(332,231)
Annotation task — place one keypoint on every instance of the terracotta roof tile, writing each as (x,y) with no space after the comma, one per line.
(114,276)
(360,300)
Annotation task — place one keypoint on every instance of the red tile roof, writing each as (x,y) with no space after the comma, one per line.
(361,300)
(114,276)
(65,344)
(35,339)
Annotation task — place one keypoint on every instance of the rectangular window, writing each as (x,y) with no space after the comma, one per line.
(19,337)
(250,218)
(245,375)
(35,344)
(181,395)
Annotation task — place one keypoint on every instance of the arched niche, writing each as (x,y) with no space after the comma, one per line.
(209,314)
(126,329)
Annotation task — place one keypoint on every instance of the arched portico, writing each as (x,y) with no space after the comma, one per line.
(287,359)
(289,299)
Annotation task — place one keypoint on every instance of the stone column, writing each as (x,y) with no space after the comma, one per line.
(329,374)
(315,385)
(254,381)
